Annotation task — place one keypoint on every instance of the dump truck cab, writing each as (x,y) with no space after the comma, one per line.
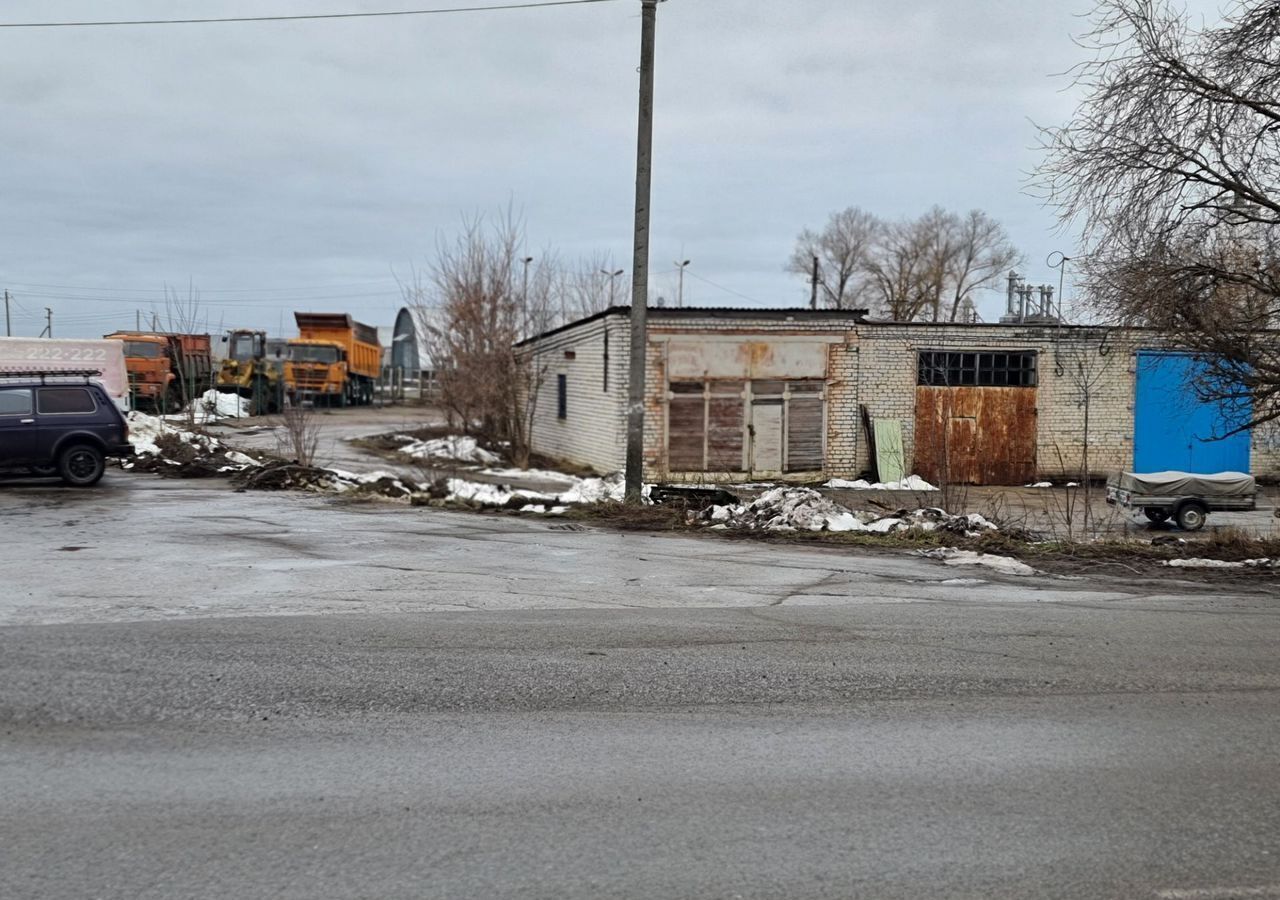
(316,370)
(149,364)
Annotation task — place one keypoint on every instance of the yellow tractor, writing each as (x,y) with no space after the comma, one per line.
(250,370)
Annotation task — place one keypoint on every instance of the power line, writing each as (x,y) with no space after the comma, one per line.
(311,16)
(272,302)
(96,289)
(728,290)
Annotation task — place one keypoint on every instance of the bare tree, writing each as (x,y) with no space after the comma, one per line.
(477,301)
(898,267)
(923,268)
(1086,360)
(981,253)
(585,287)
(842,249)
(1172,165)
(299,435)
(192,371)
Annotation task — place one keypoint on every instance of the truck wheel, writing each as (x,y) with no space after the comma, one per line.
(1156,515)
(1191,515)
(81,465)
(259,402)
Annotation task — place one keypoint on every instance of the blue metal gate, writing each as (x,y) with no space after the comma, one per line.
(1173,429)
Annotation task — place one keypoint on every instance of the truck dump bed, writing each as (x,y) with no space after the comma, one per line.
(364,354)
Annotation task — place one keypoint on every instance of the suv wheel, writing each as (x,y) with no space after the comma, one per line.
(81,465)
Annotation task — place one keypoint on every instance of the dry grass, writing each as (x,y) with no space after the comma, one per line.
(620,516)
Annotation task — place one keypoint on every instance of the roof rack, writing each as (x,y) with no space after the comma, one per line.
(45,374)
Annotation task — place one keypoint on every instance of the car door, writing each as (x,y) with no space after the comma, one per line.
(17,426)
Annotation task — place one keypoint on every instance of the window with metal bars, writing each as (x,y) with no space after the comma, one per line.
(977,368)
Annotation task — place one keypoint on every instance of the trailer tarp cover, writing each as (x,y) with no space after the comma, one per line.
(1185,484)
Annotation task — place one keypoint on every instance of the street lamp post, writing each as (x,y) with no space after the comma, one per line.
(680,289)
(613,279)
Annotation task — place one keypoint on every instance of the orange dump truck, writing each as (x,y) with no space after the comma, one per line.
(334,358)
(166,370)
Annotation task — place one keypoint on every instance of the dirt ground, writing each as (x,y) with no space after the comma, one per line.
(1055,512)
(1059,511)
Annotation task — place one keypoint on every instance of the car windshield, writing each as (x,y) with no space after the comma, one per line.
(143,349)
(242,347)
(305,353)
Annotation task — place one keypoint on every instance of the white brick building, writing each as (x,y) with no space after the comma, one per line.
(788,393)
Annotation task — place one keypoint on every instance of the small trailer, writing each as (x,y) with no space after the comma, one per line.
(1185,498)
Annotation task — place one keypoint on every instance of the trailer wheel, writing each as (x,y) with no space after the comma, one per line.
(1155,514)
(1191,515)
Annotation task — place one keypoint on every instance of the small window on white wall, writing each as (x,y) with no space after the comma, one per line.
(562,396)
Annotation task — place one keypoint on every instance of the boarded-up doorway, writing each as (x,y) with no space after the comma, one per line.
(976,418)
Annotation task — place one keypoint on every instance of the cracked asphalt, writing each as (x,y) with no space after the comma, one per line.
(211,694)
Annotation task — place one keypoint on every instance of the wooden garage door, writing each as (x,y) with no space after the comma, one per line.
(705,424)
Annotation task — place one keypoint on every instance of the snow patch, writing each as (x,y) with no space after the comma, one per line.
(1199,563)
(213,405)
(1005,565)
(910,483)
(454,446)
(804,509)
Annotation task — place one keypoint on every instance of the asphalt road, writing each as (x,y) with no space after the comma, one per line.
(908,736)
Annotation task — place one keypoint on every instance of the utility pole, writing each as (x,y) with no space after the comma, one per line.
(813,295)
(640,265)
(680,290)
(8,326)
(137,320)
(48,327)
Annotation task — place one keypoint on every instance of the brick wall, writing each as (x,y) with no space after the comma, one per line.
(873,364)
(1072,363)
(841,381)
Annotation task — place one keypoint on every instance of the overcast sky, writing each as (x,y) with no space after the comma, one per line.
(306,165)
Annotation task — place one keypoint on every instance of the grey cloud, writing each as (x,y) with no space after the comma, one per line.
(329,154)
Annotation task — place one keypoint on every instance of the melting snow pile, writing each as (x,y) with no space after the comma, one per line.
(454,447)
(804,509)
(611,488)
(1005,565)
(167,449)
(910,483)
(1198,563)
(214,405)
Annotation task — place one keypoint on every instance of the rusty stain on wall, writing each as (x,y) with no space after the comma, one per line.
(746,359)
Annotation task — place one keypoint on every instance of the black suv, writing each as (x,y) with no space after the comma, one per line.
(52,424)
